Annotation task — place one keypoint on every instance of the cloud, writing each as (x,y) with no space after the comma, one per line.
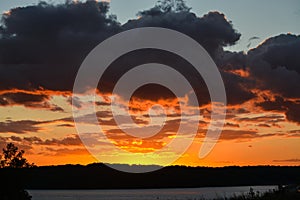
(295,160)
(28,143)
(264,125)
(295,131)
(30,100)
(13,139)
(212,30)
(281,51)
(54,46)
(293,113)
(51,41)
(228,124)
(67,141)
(290,108)
(275,65)
(65,125)
(66,151)
(239,135)
(170,128)
(21,99)
(237,91)
(20,127)
(153,91)
(265,118)
(272,68)
(27,126)
(134,144)
(31,140)
(43,45)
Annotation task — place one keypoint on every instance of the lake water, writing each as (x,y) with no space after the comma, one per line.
(145,194)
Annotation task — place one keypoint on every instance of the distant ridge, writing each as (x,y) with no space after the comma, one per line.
(100,176)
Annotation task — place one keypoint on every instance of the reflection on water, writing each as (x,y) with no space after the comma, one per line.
(149,194)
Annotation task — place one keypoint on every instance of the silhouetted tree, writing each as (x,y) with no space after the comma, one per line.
(12,185)
(13,158)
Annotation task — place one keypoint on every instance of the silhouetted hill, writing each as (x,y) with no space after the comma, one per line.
(99,176)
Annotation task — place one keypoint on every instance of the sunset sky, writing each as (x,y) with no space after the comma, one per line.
(255,46)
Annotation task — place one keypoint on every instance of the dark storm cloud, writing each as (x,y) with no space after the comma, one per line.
(228,60)
(43,45)
(282,51)
(152,91)
(237,85)
(212,30)
(275,64)
(293,113)
(277,104)
(236,88)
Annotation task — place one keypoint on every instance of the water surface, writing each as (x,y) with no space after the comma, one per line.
(145,194)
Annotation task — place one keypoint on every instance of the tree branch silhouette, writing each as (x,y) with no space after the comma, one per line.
(13,158)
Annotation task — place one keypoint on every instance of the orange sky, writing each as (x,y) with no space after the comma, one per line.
(250,136)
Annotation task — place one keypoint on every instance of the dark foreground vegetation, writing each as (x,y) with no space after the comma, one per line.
(12,179)
(282,193)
